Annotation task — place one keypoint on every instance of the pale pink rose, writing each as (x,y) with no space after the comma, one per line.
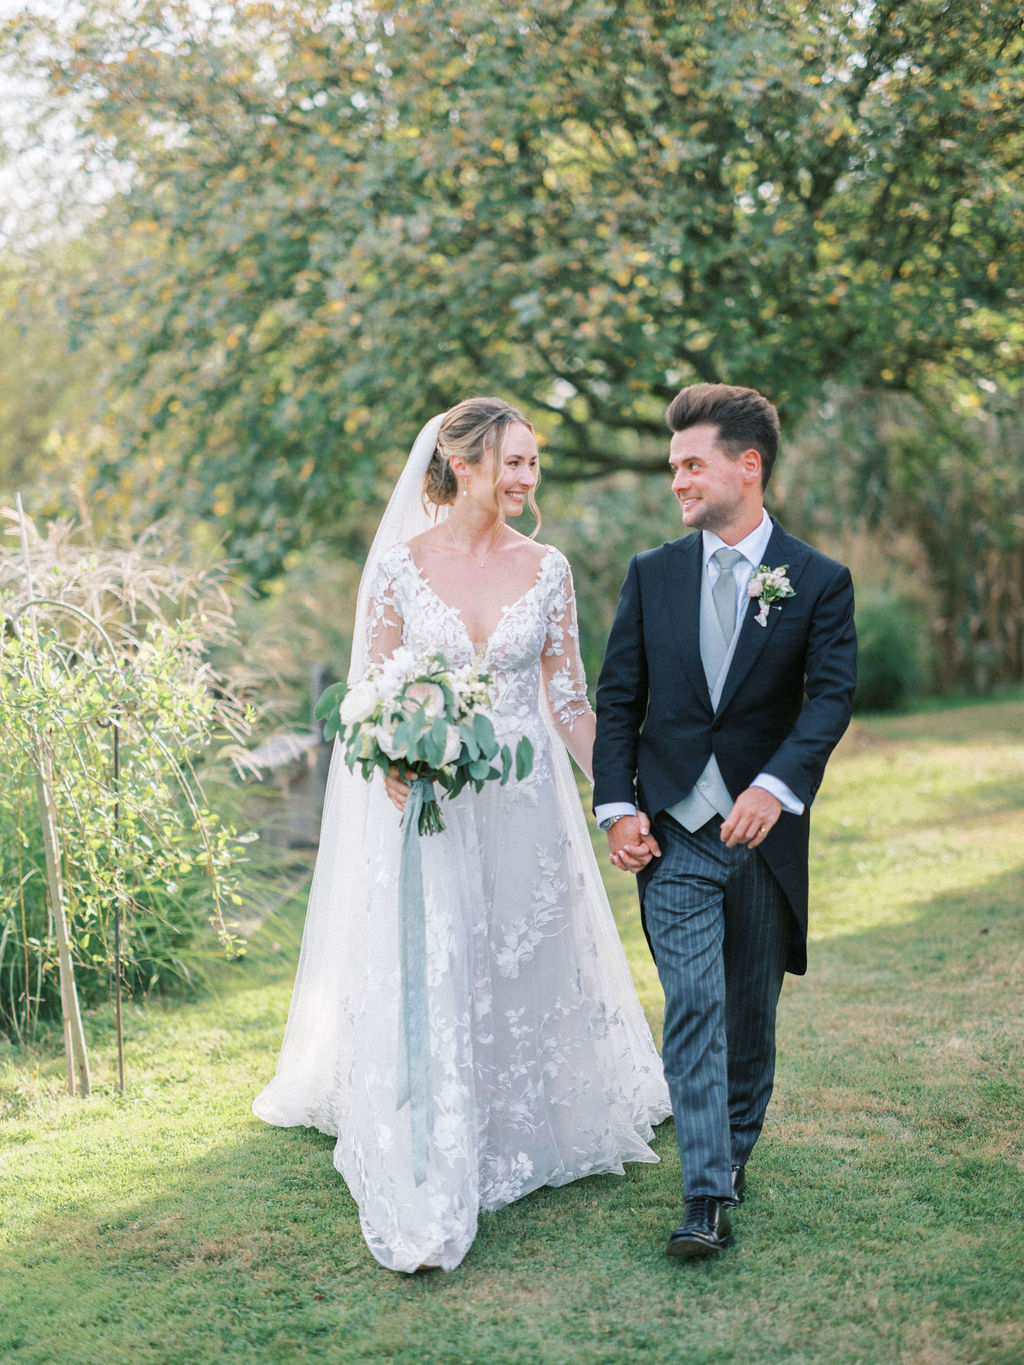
(429,696)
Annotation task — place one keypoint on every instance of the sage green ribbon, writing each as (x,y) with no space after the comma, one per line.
(414,1070)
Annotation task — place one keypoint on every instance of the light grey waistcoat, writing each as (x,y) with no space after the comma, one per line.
(710,796)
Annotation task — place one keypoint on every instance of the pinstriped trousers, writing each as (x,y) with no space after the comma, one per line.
(718,925)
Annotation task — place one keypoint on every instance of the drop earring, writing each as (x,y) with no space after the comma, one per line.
(465,488)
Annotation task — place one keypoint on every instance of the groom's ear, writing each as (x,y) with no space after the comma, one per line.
(751,462)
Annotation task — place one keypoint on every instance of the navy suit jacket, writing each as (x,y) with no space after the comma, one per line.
(784,707)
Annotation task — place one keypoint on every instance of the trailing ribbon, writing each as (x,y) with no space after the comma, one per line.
(414,1070)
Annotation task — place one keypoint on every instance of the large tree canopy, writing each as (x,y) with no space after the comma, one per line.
(344,217)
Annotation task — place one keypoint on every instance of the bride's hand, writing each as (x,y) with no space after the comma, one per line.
(397,789)
(631,845)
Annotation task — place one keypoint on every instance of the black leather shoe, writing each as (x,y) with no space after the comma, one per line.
(706,1230)
(739,1184)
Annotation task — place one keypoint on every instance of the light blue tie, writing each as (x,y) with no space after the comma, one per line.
(723,594)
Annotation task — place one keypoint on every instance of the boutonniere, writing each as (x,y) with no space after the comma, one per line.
(769,586)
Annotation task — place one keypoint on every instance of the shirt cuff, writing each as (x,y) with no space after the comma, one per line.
(603,813)
(791,804)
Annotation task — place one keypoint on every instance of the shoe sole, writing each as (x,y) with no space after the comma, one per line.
(693,1250)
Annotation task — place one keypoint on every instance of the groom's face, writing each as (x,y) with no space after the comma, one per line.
(716,491)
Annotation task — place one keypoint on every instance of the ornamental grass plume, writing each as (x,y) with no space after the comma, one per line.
(110,853)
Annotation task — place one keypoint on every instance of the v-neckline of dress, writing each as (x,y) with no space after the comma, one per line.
(480,651)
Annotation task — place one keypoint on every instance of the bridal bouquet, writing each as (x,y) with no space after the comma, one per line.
(418,713)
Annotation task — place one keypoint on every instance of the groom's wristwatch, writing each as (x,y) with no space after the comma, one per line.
(611,819)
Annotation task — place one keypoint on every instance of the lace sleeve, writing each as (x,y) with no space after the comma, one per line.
(565,680)
(383,617)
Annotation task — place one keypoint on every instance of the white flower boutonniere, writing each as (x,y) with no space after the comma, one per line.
(769,586)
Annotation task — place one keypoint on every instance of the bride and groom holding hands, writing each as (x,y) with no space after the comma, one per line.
(726,684)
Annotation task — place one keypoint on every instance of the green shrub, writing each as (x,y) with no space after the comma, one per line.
(165,919)
(889,671)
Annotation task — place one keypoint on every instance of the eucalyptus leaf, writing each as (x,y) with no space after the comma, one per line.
(469,739)
(524,758)
(330,699)
(434,743)
(484,733)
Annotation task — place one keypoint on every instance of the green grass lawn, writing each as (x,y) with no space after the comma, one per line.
(885,1217)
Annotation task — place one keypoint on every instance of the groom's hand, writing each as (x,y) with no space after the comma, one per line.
(754,814)
(631,845)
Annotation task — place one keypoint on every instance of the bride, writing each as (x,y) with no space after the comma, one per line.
(541,1067)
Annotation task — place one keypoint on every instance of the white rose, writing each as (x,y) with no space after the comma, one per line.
(452,745)
(359,703)
(397,670)
(384,734)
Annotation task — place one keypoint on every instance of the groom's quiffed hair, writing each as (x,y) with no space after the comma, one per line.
(745,419)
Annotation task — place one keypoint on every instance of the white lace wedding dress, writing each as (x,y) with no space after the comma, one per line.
(543,1067)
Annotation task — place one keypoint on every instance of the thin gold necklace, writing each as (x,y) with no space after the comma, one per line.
(462,549)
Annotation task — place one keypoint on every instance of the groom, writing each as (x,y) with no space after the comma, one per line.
(724,690)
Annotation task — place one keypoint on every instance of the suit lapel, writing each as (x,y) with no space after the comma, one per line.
(683,566)
(781,549)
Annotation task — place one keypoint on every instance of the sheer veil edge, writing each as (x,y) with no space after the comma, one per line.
(304,1090)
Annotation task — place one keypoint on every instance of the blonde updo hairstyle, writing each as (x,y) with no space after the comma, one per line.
(472,430)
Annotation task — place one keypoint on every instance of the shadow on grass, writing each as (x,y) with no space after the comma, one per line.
(264,1183)
(983,923)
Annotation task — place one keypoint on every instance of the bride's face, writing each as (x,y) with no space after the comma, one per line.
(520,470)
